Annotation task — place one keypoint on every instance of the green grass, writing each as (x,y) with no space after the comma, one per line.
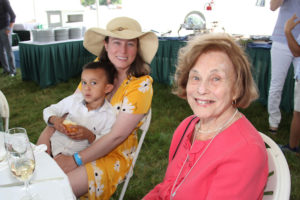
(27,101)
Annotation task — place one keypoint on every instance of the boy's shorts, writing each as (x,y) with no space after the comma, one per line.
(297,96)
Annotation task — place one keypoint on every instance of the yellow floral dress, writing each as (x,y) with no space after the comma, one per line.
(104,174)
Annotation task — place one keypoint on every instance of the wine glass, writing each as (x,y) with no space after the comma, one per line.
(20,157)
(2,148)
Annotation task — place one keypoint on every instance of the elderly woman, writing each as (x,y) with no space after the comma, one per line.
(215,153)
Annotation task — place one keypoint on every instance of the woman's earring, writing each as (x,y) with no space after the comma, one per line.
(234,102)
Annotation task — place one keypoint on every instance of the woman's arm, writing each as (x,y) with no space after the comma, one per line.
(122,128)
(293,44)
(274,4)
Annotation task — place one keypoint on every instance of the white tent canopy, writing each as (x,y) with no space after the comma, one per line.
(235,16)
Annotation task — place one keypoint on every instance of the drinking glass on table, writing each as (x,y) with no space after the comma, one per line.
(20,158)
(2,148)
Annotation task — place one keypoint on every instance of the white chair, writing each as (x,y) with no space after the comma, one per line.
(4,110)
(279,182)
(144,128)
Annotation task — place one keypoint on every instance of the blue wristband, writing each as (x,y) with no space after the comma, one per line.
(77,159)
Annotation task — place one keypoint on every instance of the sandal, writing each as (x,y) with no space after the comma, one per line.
(287,148)
(273,131)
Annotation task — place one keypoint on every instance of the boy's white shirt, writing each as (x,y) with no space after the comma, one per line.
(99,121)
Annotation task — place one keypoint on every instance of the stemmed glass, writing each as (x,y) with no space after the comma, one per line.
(2,148)
(20,157)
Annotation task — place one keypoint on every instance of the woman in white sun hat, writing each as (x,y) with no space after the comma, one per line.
(98,169)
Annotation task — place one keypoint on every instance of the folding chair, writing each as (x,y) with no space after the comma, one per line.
(4,110)
(278,186)
(144,128)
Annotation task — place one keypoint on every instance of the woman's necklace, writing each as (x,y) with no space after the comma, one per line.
(173,193)
(216,130)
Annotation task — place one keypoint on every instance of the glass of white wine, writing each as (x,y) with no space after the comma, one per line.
(2,148)
(20,157)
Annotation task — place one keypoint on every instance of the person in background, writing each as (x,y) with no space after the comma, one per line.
(100,167)
(7,20)
(90,115)
(215,153)
(281,58)
(294,46)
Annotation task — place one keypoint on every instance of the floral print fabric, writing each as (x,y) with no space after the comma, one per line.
(104,175)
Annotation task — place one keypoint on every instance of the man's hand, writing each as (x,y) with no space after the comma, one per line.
(291,23)
(288,27)
(9,28)
(7,31)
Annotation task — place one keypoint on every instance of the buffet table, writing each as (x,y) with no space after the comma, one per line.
(15,39)
(50,63)
(163,64)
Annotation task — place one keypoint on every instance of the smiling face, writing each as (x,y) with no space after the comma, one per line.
(210,86)
(94,87)
(121,52)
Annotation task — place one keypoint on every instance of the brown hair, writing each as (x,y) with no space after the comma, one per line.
(244,87)
(109,69)
(138,68)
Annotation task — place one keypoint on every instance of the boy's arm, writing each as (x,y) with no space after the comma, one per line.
(55,114)
(52,110)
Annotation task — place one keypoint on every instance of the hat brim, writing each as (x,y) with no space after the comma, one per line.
(148,41)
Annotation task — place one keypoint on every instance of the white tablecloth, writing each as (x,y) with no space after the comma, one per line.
(46,168)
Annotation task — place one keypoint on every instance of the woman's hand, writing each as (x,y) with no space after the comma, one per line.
(81,133)
(66,163)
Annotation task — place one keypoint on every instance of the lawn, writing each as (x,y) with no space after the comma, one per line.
(27,101)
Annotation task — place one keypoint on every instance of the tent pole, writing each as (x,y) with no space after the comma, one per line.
(34,10)
(97,9)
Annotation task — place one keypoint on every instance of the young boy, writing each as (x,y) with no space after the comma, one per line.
(88,109)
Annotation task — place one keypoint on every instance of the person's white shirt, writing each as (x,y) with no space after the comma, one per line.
(99,121)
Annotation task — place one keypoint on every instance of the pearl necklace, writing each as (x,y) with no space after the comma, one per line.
(187,157)
(216,130)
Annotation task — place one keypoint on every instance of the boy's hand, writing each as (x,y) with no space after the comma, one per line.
(58,123)
(81,133)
